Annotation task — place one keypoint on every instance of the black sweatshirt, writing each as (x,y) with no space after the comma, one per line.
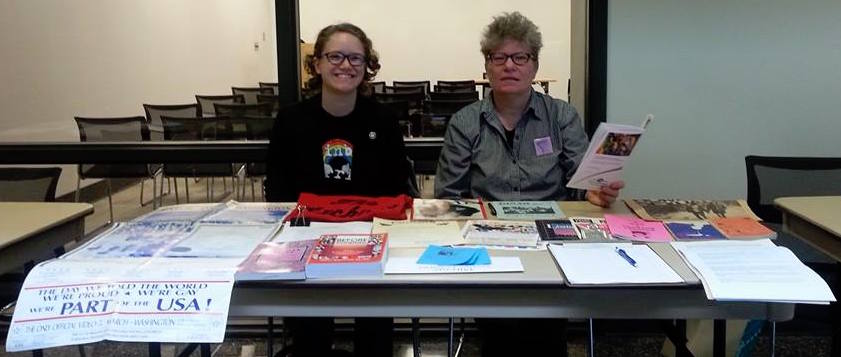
(361,153)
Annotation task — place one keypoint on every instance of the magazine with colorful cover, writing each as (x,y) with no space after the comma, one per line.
(505,233)
(525,210)
(276,261)
(605,158)
(689,210)
(591,228)
(632,228)
(742,228)
(693,230)
(341,255)
(556,229)
(442,210)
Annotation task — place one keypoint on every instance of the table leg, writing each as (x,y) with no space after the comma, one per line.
(154,349)
(676,332)
(450,340)
(719,337)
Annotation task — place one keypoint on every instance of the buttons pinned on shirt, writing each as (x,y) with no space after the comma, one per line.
(372,135)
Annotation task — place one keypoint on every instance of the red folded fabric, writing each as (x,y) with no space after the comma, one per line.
(351,208)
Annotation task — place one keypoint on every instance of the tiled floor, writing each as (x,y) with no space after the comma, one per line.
(626,339)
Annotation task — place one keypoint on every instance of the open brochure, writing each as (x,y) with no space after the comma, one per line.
(605,158)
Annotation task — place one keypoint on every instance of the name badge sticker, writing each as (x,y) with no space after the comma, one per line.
(543,146)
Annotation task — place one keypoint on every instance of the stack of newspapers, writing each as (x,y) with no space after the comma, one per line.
(754,270)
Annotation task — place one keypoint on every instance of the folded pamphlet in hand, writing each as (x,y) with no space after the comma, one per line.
(605,158)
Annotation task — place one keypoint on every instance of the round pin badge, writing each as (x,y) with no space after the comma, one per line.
(372,135)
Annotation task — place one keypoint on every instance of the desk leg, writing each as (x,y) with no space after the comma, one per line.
(719,337)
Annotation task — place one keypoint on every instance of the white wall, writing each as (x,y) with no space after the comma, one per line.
(439,39)
(724,79)
(60,59)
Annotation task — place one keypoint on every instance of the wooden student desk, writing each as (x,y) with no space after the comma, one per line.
(32,230)
(815,220)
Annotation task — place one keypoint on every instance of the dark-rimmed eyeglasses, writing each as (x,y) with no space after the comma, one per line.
(336,58)
(519,58)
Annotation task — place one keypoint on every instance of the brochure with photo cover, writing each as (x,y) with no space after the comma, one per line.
(556,229)
(689,210)
(589,228)
(443,210)
(507,233)
(525,210)
(605,158)
(693,230)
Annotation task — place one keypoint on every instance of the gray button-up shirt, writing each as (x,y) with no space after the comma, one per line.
(476,160)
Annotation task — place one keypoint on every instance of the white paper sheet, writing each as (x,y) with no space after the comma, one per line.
(222,240)
(409,265)
(418,234)
(65,302)
(600,264)
(754,270)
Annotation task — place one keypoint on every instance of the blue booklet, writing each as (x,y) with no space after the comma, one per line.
(693,230)
(444,255)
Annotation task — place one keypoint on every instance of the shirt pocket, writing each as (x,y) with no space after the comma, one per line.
(542,171)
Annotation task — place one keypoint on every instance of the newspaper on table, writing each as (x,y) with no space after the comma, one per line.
(605,158)
(66,302)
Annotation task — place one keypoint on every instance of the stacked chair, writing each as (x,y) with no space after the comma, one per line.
(115,130)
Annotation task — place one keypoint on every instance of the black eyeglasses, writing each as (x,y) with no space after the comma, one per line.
(336,58)
(519,58)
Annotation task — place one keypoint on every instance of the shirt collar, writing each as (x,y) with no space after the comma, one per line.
(538,111)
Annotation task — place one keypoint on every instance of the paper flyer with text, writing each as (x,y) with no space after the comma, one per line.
(66,302)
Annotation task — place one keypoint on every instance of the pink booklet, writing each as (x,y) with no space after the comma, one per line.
(276,261)
(632,228)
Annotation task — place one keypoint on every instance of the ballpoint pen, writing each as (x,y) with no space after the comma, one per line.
(627,257)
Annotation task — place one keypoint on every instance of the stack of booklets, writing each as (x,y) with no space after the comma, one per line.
(504,233)
(617,264)
(276,261)
(753,270)
(348,255)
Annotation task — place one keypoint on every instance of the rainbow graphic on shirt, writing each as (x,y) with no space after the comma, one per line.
(337,155)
